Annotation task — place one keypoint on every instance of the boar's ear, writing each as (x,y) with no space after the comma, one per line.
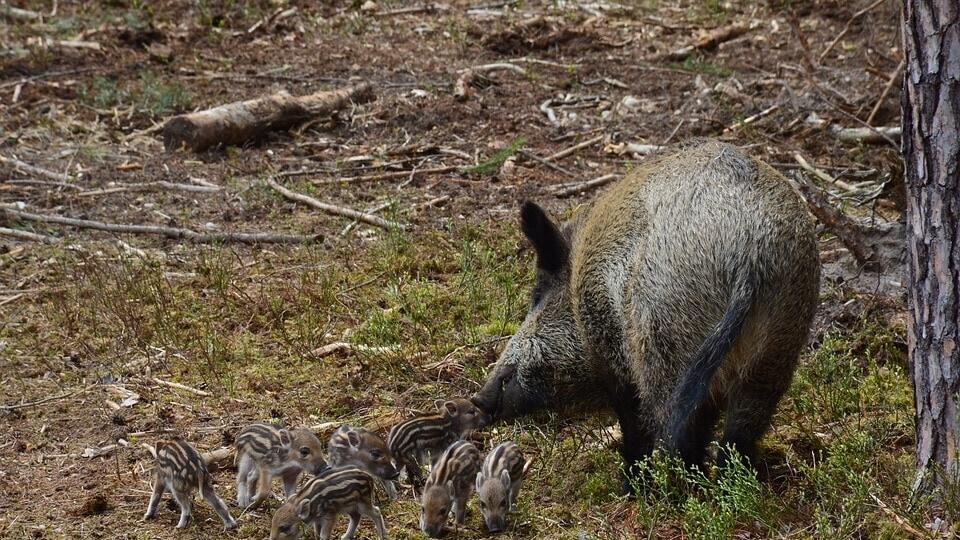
(551,247)
(479,481)
(354,438)
(505,478)
(285,437)
(450,407)
(303,510)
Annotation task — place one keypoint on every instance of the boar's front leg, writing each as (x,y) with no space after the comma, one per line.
(637,434)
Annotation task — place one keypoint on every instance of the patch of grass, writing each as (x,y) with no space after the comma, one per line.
(494,163)
(148,95)
(695,64)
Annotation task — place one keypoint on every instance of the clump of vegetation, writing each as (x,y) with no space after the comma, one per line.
(149,94)
(496,161)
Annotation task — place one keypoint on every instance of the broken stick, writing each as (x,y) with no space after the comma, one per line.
(26,235)
(34,170)
(369,219)
(708,40)
(238,122)
(169,232)
(468,77)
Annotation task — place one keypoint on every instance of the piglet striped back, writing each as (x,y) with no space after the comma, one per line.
(460,461)
(335,488)
(505,456)
(262,443)
(179,461)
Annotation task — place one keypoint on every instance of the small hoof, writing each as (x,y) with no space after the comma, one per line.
(232,526)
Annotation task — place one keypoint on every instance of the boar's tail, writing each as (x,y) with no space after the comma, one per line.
(695,384)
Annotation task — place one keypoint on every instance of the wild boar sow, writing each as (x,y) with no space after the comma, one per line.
(685,290)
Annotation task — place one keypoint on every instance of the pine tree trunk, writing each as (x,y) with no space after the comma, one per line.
(931,151)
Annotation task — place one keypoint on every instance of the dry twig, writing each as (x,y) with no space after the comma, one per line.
(567,190)
(343,346)
(32,169)
(846,28)
(822,175)
(574,148)
(894,79)
(708,40)
(26,235)
(146,186)
(169,232)
(389,175)
(179,386)
(369,219)
(46,400)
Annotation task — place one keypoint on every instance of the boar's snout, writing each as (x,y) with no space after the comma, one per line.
(490,398)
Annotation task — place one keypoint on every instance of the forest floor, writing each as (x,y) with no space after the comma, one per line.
(91,322)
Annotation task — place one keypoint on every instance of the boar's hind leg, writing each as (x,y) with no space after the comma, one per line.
(692,442)
(749,409)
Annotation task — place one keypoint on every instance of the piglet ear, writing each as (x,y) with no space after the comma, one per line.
(505,478)
(285,438)
(303,509)
(479,480)
(549,243)
(450,408)
(353,438)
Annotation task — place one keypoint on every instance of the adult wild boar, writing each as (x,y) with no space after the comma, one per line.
(684,290)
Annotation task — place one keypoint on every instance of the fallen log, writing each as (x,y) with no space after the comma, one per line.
(238,122)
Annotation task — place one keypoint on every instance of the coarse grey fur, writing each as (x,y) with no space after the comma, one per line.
(685,289)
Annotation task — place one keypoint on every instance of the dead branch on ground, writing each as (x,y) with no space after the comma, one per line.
(708,40)
(343,346)
(169,232)
(566,190)
(238,122)
(388,176)
(26,235)
(18,13)
(34,170)
(178,386)
(574,148)
(822,175)
(868,135)
(837,222)
(369,219)
(147,186)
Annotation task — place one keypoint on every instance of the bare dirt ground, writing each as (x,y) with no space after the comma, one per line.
(95,319)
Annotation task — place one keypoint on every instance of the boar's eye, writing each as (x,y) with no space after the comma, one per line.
(304,451)
(375,454)
(483,504)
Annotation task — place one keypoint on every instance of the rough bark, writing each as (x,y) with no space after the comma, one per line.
(236,123)
(931,149)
